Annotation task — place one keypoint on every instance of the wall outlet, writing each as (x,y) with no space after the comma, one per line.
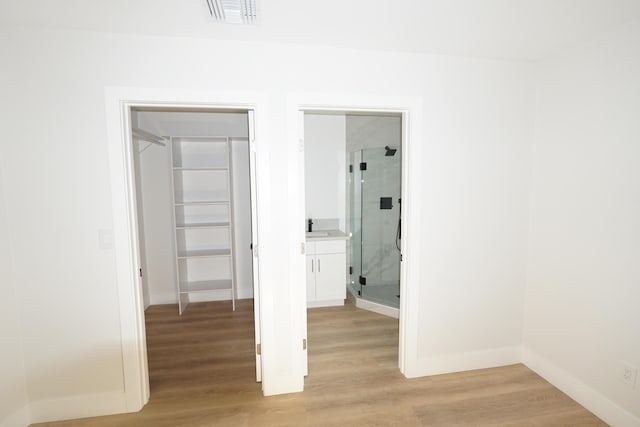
(629,374)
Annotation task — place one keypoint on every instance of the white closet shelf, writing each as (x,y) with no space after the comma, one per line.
(206,286)
(203,168)
(201,202)
(205,225)
(204,253)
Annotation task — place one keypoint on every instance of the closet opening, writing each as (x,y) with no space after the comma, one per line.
(195,212)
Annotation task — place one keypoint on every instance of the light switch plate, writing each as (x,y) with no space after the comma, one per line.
(105,239)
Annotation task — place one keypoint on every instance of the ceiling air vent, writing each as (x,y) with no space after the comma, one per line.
(233,11)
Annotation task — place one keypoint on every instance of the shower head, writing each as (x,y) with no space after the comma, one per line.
(389,151)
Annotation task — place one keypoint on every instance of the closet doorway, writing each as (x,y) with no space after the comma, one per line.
(195,212)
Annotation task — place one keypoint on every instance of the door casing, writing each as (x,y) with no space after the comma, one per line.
(410,109)
(119,102)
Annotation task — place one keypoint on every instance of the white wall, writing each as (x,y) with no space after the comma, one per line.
(474,194)
(13,387)
(57,164)
(372,131)
(155,223)
(582,316)
(325,173)
(476,129)
(242,218)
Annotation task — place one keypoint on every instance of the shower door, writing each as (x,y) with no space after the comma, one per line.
(376,224)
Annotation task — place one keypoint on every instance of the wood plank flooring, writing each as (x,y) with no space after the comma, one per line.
(202,373)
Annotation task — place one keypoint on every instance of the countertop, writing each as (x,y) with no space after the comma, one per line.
(331,235)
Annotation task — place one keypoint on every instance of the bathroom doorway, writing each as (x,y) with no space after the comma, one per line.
(353,189)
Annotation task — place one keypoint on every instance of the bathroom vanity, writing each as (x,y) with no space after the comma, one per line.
(326,268)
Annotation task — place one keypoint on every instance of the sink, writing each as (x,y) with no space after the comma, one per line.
(317,233)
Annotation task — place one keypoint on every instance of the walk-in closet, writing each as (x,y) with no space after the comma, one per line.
(193,201)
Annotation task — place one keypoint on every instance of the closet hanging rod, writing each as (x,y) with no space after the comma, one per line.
(148,136)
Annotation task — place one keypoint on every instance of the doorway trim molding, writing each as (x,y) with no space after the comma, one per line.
(410,107)
(118,101)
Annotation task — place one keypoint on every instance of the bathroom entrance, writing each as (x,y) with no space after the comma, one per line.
(353,193)
(353,199)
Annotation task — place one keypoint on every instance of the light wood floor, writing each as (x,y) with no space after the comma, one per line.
(202,373)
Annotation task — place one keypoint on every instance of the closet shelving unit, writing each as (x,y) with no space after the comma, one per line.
(203,218)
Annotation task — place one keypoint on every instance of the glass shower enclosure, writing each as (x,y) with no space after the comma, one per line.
(374,220)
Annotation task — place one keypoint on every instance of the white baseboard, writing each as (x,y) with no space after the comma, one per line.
(204,296)
(19,418)
(71,407)
(220,295)
(591,399)
(163,298)
(160,299)
(245,293)
(377,308)
(458,362)
(210,296)
(325,303)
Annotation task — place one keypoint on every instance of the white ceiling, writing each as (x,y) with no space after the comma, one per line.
(508,29)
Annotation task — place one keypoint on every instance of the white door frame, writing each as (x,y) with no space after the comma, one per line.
(411,110)
(118,102)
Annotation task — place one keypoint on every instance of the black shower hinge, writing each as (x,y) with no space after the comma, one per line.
(362,280)
(363,166)
(350,270)
(350,168)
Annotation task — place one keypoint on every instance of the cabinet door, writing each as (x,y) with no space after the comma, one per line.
(311,278)
(330,277)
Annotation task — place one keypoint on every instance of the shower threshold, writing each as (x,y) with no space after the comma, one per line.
(373,306)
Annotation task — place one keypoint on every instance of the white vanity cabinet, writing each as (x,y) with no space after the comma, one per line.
(326,264)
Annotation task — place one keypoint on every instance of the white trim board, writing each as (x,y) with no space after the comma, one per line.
(70,407)
(591,399)
(19,417)
(385,310)
(411,110)
(468,361)
(166,298)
